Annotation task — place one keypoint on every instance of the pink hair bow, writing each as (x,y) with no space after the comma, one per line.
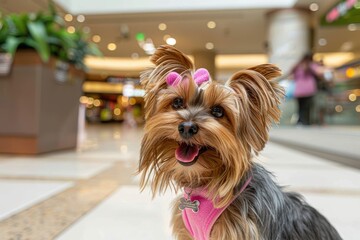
(200,76)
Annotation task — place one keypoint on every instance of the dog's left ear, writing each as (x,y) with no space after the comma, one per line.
(169,65)
(259,102)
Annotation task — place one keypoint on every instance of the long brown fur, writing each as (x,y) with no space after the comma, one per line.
(250,102)
(260,99)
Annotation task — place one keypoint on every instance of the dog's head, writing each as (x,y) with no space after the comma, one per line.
(200,133)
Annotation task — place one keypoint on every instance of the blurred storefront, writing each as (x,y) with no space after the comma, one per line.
(113,99)
(343,104)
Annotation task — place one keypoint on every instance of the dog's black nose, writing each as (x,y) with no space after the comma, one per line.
(187,129)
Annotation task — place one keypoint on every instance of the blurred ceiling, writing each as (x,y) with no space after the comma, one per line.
(237,31)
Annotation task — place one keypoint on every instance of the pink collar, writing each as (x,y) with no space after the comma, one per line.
(200,223)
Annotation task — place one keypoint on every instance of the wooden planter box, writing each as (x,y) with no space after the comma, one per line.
(38,113)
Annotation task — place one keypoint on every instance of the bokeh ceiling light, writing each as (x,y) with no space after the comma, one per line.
(117,111)
(352,97)
(339,108)
(209,46)
(68,17)
(314,7)
(211,24)
(162,26)
(111,46)
(357,109)
(80,18)
(71,29)
(96,38)
(149,46)
(171,41)
(83,99)
(97,102)
(322,42)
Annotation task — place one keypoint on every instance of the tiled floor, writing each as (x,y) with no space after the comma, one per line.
(50,168)
(126,214)
(331,188)
(17,195)
(92,193)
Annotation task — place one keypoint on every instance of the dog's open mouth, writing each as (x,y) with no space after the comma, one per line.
(187,154)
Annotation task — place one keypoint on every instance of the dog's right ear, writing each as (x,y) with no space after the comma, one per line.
(167,60)
(259,97)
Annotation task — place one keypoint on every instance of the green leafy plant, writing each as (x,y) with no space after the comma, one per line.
(47,34)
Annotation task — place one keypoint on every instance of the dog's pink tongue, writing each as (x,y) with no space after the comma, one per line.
(186,153)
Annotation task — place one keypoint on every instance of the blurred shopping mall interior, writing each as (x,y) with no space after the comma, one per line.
(72,106)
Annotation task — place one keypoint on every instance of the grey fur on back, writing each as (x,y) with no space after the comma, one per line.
(281,215)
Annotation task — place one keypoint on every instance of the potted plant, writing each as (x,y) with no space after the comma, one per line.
(41,73)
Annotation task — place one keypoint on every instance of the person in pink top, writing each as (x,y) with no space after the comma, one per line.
(305,76)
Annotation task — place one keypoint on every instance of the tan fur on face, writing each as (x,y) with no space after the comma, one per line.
(219,168)
(250,102)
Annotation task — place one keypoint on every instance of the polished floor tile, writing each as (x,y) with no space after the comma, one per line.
(50,168)
(92,155)
(300,170)
(318,178)
(17,195)
(342,211)
(126,214)
(331,188)
(343,140)
(276,155)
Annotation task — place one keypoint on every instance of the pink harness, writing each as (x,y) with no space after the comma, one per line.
(199,224)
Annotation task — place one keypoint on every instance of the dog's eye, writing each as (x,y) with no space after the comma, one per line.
(178,103)
(217,111)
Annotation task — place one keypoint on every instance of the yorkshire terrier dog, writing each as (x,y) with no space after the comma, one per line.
(200,138)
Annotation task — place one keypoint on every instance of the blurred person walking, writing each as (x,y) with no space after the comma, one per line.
(305,74)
